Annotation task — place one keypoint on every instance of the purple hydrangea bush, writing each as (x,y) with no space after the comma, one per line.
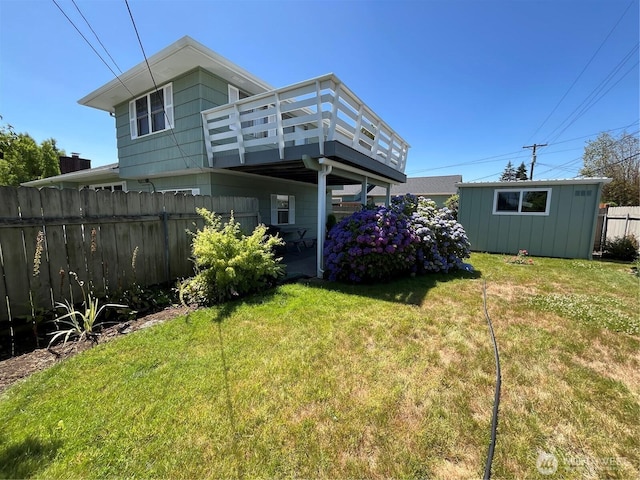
(411,236)
(369,246)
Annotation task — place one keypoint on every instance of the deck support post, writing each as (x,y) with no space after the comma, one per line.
(324,171)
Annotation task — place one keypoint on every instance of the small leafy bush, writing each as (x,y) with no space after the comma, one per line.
(520,259)
(229,263)
(622,248)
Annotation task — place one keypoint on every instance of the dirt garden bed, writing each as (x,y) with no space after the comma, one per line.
(17,368)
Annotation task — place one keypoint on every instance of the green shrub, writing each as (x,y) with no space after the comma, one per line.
(622,248)
(453,204)
(229,263)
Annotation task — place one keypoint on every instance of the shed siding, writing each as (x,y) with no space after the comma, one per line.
(567,231)
(193,92)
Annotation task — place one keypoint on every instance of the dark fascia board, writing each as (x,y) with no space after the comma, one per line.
(341,152)
(333,150)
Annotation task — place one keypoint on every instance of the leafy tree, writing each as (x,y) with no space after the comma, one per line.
(521,172)
(618,159)
(509,174)
(22,159)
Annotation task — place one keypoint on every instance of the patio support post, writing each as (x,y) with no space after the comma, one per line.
(322,216)
(388,195)
(363,195)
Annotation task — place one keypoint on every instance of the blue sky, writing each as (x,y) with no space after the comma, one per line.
(466,83)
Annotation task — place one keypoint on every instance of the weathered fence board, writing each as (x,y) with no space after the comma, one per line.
(616,222)
(622,221)
(96,234)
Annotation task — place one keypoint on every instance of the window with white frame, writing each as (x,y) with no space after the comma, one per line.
(183,191)
(532,201)
(113,187)
(151,113)
(283,209)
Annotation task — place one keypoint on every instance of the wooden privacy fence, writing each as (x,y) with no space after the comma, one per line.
(617,222)
(111,240)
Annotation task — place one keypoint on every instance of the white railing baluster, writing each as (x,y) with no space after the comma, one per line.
(223,131)
(239,135)
(334,111)
(319,118)
(358,132)
(279,128)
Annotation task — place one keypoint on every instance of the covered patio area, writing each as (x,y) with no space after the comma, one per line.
(299,264)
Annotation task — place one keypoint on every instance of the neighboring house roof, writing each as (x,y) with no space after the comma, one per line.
(174,60)
(102,174)
(421,186)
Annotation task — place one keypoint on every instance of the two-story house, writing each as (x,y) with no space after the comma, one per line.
(189,120)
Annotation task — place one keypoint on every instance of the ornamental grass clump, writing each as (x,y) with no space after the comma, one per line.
(442,242)
(369,246)
(228,263)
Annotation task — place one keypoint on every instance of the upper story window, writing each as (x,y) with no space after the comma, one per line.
(152,112)
(533,201)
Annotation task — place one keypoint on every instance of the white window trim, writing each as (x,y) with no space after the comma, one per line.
(167,93)
(185,191)
(109,184)
(521,192)
(274,209)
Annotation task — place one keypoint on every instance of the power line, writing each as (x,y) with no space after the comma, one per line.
(96,35)
(173,135)
(90,45)
(492,159)
(583,70)
(587,107)
(589,101)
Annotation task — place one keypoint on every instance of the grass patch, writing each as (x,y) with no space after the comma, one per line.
(334,381)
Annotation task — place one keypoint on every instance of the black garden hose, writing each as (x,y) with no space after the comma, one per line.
(496,400)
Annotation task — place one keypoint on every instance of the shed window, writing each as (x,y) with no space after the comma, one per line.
(534,201)
(152,112)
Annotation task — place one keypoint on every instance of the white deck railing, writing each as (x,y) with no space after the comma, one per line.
(317,110)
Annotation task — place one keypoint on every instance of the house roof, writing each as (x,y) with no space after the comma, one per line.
(103,173)
(538,183)
(176,59)
(422,186)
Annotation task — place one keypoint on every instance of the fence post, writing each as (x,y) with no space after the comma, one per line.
(165,227)
(626,224)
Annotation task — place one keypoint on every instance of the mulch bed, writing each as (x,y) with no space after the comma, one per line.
(17,368)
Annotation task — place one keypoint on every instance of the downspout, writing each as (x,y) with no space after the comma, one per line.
(322,215)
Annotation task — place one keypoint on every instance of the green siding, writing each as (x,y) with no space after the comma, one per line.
(567,231)
(193,92)
(262,188)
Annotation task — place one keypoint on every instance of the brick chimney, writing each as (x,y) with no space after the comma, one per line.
(74,163)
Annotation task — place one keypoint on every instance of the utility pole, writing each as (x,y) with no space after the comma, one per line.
(533,156)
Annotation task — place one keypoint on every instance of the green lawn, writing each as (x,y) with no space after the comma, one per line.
(334,381)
